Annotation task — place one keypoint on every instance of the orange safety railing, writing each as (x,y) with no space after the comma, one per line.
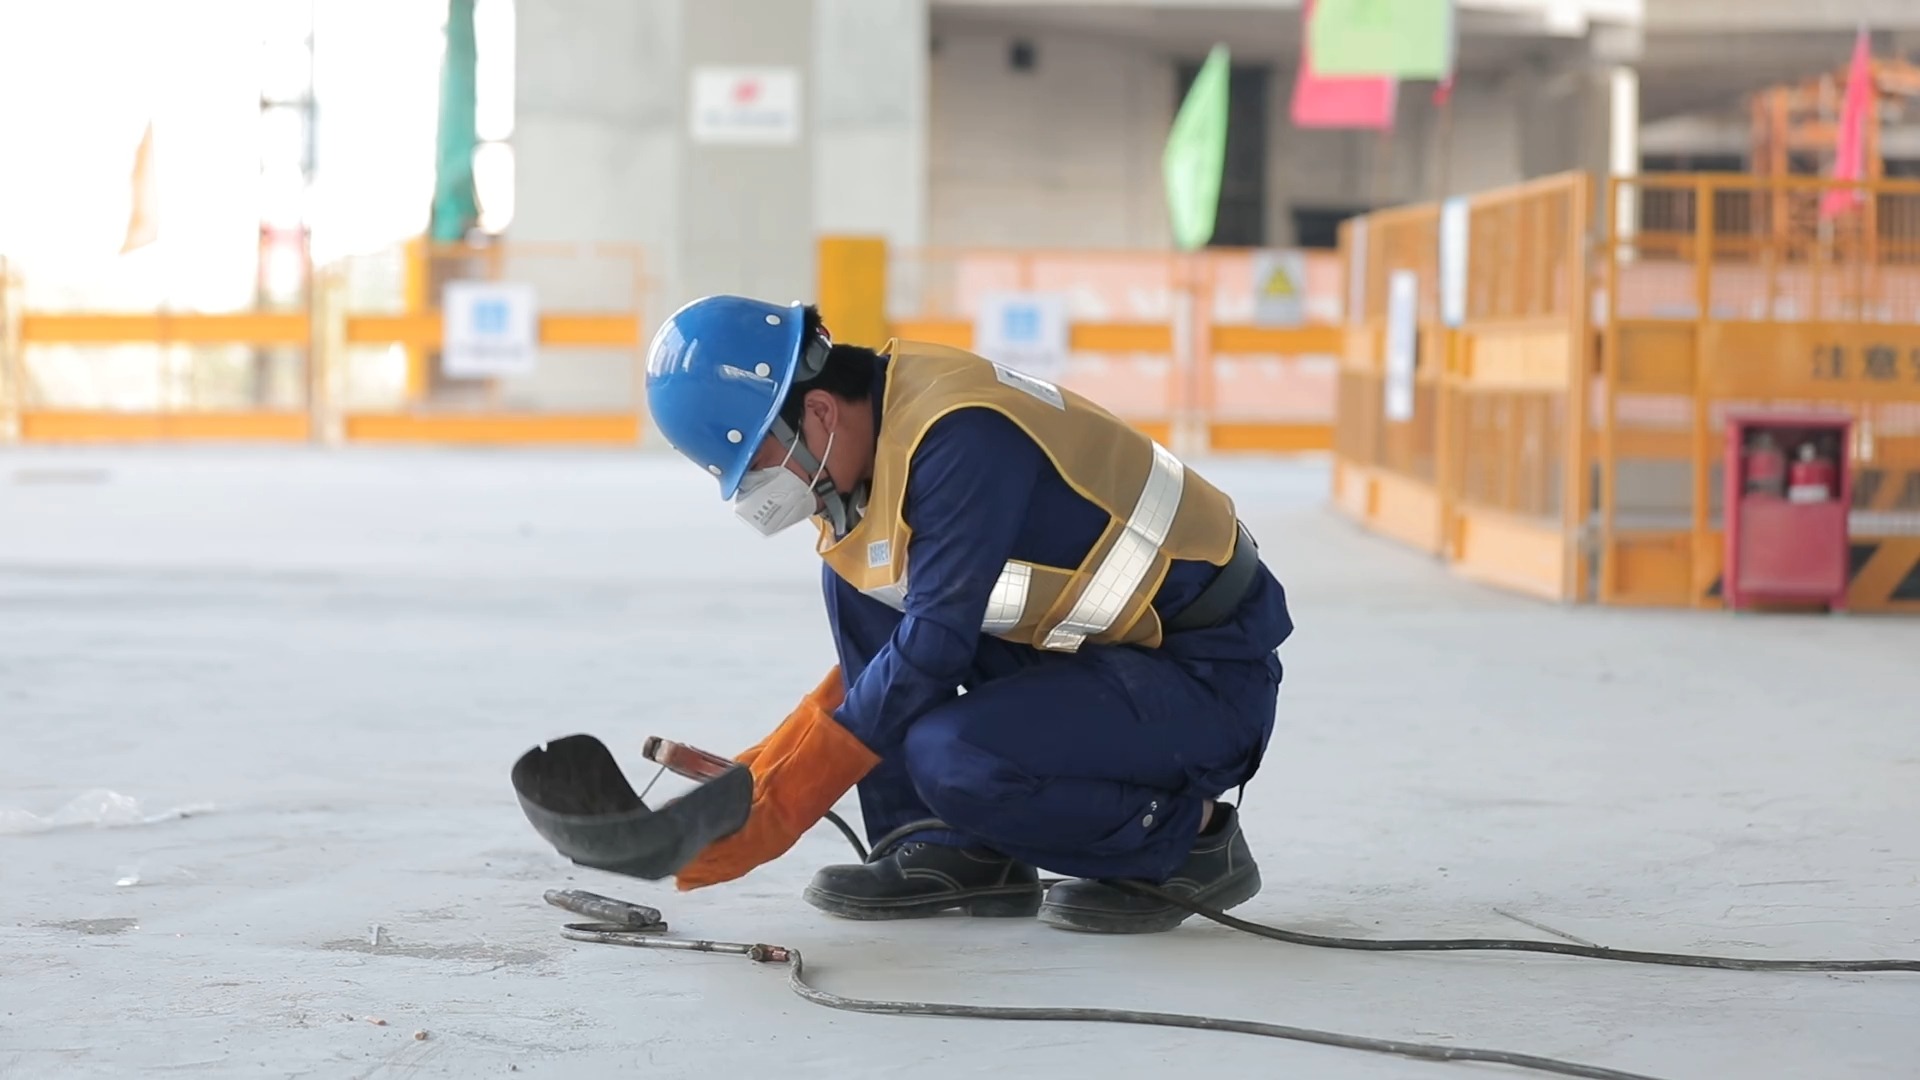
(1268,388)
(99,376)
(121,348)
(1167,340)
(1384,463)
(1475,456)
(1564,438)
(357,363)
(1123,311)
(1517,385)
(1722,292)
(390,388)
(1164,340)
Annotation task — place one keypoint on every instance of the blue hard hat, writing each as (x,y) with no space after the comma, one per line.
(717,372)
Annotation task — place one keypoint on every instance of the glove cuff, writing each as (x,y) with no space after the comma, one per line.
(815,760)
(828,696)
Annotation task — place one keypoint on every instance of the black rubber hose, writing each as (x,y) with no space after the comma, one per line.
(619,934)
(1319,941)
(853,838)
(1421,1051)
(624,933)
(1557,948)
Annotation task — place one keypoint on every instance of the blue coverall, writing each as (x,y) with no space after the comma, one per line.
(1090,764)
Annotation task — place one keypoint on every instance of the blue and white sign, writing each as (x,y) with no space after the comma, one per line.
(1023,331)
(492,329)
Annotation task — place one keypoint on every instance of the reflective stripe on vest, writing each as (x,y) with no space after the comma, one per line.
(1113,581)
(1128,561)
(1006,605)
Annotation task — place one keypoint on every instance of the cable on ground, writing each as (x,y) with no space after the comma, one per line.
(640,925)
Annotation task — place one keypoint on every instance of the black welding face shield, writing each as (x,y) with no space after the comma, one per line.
(576,797)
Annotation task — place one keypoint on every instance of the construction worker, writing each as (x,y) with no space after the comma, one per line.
(1057,644)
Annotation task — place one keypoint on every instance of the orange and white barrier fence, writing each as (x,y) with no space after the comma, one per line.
(1730,291)
(1559,431)
(1171,342)
(366,359)
(1168,342)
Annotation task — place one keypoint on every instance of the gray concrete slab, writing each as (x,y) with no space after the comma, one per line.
(335,657)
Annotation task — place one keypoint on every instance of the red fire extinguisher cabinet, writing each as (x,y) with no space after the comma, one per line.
(1787,485)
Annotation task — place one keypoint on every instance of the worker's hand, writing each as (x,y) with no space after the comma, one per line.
(799,772)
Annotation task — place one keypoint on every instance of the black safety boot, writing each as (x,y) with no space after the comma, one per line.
(1220,873)
(917,879)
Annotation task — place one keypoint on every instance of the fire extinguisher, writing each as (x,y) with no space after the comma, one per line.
(1766,467)
(1811,479)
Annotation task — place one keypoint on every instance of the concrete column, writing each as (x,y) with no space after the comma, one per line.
(1558,112)
(597,121)
(607,150)
(1583,113)
(870,118)
(597,129)
(745,220)
(1480,149)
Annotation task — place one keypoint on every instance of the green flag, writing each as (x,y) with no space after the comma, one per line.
(1409,39)
(1196,154)
(456,206)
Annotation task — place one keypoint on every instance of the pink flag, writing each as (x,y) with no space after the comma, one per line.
(1339,101)
(1850,143)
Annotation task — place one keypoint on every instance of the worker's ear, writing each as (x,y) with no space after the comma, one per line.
(824,408)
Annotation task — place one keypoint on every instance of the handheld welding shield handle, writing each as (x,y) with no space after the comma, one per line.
(683,760)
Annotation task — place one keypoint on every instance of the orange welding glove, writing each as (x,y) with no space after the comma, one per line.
(799,772)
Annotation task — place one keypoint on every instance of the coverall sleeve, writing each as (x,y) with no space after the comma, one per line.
(968,489)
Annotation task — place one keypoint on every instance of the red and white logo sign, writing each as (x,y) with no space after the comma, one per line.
(746,106)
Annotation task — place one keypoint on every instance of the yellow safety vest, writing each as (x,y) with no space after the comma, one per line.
(1158,510)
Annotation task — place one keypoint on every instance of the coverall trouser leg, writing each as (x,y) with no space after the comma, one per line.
(1089,764)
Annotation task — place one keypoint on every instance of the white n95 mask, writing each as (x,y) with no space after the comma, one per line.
(773,500)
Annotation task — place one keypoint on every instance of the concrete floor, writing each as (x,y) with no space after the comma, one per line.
(337,656)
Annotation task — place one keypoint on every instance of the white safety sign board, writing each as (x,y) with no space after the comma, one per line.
(1403,327)
(1023,331)
(1453,261)
(746,106)
(1279,287)
(492,328)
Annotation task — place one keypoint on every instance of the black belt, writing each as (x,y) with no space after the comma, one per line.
(1223,594)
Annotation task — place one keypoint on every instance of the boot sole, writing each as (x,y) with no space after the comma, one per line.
(1229,893)
(1009,903)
